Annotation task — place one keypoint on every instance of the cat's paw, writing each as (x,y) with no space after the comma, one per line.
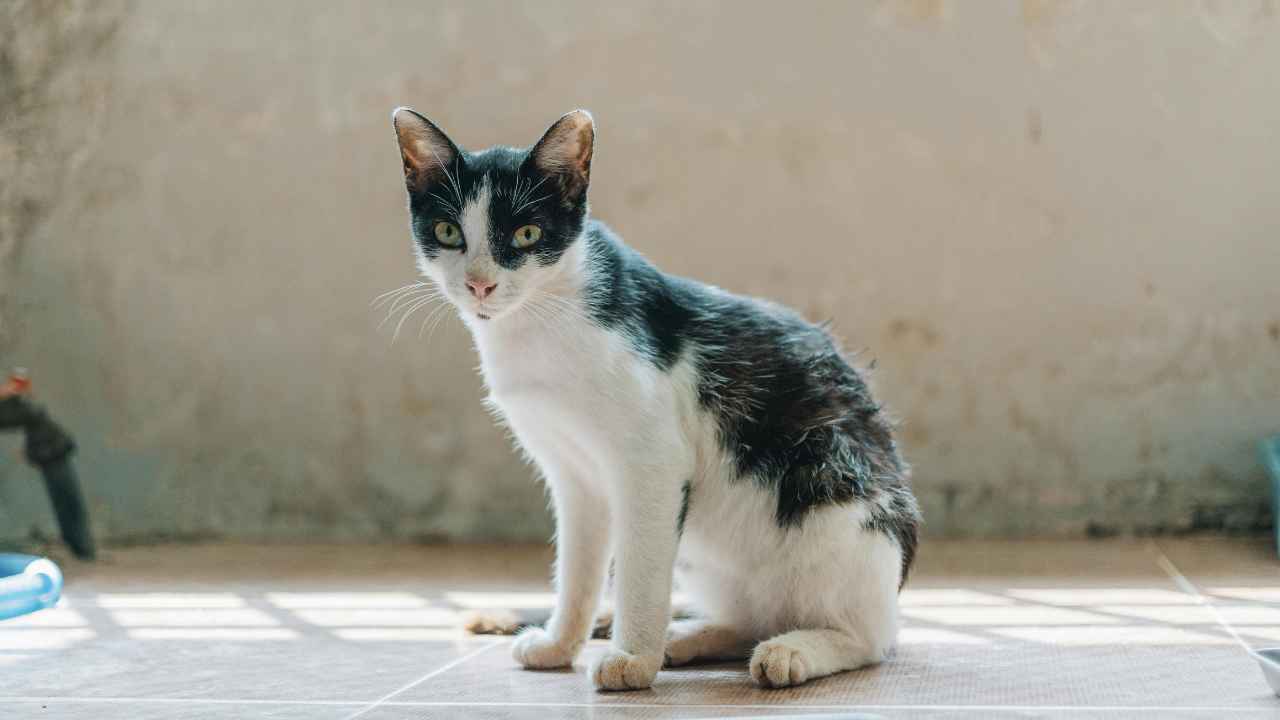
(776,664)
(535,648)
(618,670)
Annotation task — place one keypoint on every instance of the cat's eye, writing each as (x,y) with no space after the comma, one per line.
(526,235)
(448,234)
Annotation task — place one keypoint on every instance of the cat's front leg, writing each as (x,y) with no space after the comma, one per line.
(645,539)
(582,536)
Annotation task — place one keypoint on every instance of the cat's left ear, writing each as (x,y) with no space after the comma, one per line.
(565,152)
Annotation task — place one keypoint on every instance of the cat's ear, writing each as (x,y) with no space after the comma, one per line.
(427,152)
(565,152)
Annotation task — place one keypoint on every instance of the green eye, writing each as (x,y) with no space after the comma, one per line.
(448,234)
(526,235)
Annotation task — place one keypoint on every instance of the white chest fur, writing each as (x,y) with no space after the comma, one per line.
(579,397)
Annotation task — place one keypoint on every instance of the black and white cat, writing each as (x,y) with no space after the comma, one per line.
(667,417)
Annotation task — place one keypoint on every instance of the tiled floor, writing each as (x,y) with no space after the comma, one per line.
(1035,629)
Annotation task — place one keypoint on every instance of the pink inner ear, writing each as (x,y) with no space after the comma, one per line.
(567,145)
(582,147)
(425,150)
(424,157)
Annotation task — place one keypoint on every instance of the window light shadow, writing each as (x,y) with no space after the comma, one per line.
(187,617)
(214,633)
(344,600)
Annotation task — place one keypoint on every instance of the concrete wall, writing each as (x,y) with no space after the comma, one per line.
(1053,224)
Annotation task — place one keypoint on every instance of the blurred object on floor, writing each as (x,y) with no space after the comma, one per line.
(49,448)
(27,584)
(1269,451)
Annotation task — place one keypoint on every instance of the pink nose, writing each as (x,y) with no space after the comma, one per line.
(481,288)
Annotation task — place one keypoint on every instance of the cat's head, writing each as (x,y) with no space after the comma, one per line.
(492,228)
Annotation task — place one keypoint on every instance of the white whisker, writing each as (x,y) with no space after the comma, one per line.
(527,203)
(414,308)
(519,201)
(407,300)
(434,313)
(403,288)
(396,300)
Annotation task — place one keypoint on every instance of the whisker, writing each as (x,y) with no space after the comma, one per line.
(405,308)
(515,194)
(434,325)
(402,288)
(565,305)
(448,204)
(456,191)
(519,201)
(406,300)
(395,300)
(414,308)
(434,312)
(531,202)
(552,315)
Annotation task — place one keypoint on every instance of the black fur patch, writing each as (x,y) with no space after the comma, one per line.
(797,417)
(684,507)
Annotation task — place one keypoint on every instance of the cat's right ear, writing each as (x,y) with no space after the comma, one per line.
(565,152)
(426,151)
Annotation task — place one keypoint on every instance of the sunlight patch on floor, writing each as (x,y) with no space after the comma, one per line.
(186,617)
(1082,635)
(502,600)
(214,633)
(116,601)
(1102,596)
(53,617)
(43,638)
(378,617)
(303,600)
(938,636)
(928,596)
(1011,615)
(1257,594)
(405,634)
(1198,615)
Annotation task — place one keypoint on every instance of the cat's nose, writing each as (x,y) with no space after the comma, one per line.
(481,288)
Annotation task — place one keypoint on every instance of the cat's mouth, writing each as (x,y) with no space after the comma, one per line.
(482,316)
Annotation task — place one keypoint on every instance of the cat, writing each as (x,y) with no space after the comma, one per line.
(667,418)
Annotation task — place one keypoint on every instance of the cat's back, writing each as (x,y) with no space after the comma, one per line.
(792,412)
(665,313)
(748,351)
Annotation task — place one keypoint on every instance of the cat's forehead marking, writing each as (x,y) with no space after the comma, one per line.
(475,217)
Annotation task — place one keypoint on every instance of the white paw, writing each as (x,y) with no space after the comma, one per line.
(534,648)
(618,670)
(775,664)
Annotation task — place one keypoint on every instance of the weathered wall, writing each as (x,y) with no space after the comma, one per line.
(1054,225)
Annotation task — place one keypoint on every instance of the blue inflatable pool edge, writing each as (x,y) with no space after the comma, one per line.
(27,584)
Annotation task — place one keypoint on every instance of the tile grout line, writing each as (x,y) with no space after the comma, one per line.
(1185,585)
(434,673)
(610,705)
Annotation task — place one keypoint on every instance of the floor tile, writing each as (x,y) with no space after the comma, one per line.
(992,630)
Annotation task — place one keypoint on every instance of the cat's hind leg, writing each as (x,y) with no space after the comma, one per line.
(690,640)
(801,655)
(848,622)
